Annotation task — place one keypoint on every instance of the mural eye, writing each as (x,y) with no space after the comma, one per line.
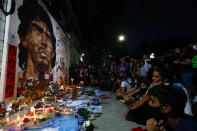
(37,28)
(49,37)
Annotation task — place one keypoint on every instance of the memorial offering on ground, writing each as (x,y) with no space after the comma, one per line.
(35,112)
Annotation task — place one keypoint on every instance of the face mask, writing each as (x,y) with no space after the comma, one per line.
(155,112)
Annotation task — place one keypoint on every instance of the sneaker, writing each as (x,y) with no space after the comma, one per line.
(121,101)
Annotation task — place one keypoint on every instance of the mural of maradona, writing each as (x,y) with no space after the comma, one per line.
(42,48)
(37,42)
(37,46)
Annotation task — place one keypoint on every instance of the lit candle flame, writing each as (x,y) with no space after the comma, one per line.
(19,109)
(18,117)
(7,120)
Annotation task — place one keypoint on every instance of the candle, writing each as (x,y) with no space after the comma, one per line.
(66,111)
(32,112)
(43,100)
(19,109)
(19,124)
(34,122)
(61,87)
(32,109)
(7,120)
(43,109)
(18,118)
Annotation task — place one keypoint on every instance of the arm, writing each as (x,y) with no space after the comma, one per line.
(131,90)
(140,102)
(152,125)
(122,90)
(134,92)
(137,104)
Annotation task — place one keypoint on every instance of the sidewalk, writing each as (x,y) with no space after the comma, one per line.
(112,118)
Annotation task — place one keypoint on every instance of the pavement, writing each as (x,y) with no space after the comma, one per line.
(112,118)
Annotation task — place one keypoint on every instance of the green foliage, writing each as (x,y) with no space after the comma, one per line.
(2,115)
(38,105)
(49,99)
(84,113)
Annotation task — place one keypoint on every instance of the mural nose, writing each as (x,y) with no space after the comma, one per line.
(44,45)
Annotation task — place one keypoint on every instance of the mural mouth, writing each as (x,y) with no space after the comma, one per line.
(43,55)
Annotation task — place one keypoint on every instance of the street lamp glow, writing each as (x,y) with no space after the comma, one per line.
(121,38)
(152,55)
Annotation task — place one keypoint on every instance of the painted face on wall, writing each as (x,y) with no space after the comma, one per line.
(38,41)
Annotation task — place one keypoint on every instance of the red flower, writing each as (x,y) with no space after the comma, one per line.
(35,122)
(74,96)
(26,120)
(23,89)
(138,129)
(50,110)
(76,116)
(19,89)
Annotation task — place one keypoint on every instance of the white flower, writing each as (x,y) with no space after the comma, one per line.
(9,108)
(83,126)
(87,123)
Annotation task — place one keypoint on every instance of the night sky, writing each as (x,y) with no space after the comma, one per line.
(101,21)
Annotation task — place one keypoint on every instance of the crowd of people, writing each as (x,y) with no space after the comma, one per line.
(159,90)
